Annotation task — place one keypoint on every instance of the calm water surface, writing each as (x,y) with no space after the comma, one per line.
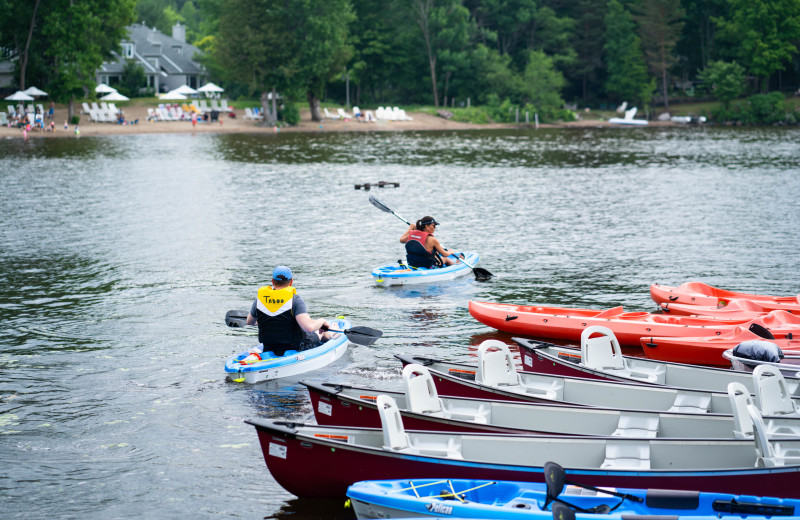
(120,256)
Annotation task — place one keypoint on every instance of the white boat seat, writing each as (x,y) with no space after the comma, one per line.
(657,375)
(395,437)
(772,393)
(770,454)
(496,368)
(638,425)
(691,403)
(422,397)
(601,352)
(554,390)
(627,455)
(421,394)
(740,399)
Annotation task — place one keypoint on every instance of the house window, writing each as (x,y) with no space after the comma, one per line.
(153,62)
(178,49)
(128,50)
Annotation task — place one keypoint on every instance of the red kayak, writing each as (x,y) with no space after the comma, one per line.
(568,323)
(732,310)
(698,293)
(707,350)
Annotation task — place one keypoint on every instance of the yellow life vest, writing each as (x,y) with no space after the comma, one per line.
(275,301)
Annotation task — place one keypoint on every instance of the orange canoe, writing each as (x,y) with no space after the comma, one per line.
(707,350)
(732,310)
(568,323)
(698,293)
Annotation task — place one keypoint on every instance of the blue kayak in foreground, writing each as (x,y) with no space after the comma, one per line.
(402,274)
(291,363)
(506,500)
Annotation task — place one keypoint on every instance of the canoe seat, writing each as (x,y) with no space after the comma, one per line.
(691,403)
(422,397)
(395,437)
(496,367)
(639,425)
(628,455)
(601,352)
(740,400)
(770,453)
(553,390)
(772,394)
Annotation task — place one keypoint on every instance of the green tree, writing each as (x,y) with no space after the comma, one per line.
(660,24)
(627,73)
(542,85)
(289,46)
(18,25)
(133,78)
(152,13)
(446,29)
(78,37)
(725,80)
(764,34)
(588,37)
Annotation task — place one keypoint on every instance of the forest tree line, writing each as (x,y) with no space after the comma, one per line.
(535,54)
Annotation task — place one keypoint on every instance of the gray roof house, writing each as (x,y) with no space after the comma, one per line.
(168,61)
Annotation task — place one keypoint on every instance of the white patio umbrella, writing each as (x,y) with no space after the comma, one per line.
(210,87)
(184,89)
(35,92)
(172,95)
(114,96)
(102,88)
(19,96)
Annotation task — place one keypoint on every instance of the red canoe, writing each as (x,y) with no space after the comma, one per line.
(698,293)
(568,323)
(733,310)
(708,350)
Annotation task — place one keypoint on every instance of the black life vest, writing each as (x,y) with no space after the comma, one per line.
(278,330)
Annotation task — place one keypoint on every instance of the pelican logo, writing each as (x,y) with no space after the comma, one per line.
(439,509)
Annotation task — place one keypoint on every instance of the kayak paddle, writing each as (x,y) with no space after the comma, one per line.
(359,335)
(481,274)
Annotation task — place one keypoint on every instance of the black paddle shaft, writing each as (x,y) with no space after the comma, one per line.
(359,335)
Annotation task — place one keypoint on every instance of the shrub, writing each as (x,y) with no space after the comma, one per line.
(289,113)
(75,119)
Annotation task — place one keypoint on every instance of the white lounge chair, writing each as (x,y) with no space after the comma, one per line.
(223,105)
(86,108)
(204,106)
(343,114)
(622,107)
(329,115)
(369,117)
(11,110)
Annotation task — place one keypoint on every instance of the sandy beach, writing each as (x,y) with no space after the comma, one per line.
(239,124)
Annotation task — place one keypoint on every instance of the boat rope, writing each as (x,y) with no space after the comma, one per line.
(441,495)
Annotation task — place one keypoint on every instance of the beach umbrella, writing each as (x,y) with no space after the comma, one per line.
(184,89)
(210,87)
(35,92)
(102,88)
(114,96)
(19,96)
(172,95)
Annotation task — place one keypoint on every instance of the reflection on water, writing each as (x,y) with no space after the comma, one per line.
(119,258)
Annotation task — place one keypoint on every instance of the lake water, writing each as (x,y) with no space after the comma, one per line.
(120,256)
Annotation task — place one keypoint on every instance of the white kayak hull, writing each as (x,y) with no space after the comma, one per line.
(395,274)
(293,363)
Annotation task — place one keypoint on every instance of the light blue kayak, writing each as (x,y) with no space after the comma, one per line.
(485,499)
(291,363)
(402,274)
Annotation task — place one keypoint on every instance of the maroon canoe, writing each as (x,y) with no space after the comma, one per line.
(322,461)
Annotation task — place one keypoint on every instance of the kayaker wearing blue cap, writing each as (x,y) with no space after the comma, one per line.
(282,317)
(422,248)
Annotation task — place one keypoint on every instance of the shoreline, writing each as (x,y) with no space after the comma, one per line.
(227,125)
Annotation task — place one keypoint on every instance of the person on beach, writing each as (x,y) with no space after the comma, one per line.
(283,319)
(422,248)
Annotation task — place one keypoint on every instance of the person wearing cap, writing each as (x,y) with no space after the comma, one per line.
(282,317)
(422,248)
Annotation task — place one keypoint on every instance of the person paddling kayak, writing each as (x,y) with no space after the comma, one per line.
(282,317)
(422,248)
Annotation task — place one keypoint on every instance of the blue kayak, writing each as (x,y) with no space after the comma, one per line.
(402,274)
(460,498)
(291,363)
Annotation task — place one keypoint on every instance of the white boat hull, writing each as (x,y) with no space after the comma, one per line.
(394,274)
